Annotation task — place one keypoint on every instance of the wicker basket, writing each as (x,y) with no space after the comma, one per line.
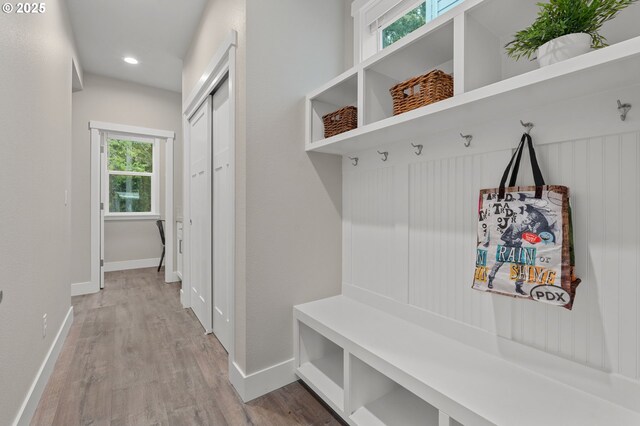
(434,86)
(340,121)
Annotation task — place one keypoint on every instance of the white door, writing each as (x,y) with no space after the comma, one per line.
(222,219)
(200,214)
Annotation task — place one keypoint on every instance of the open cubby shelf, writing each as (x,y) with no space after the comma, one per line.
(321,366)
(468,42)
(377,400)
(374,368)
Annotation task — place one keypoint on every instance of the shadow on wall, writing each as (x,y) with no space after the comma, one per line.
(324,165)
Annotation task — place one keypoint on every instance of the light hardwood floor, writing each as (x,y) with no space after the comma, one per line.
(134,356)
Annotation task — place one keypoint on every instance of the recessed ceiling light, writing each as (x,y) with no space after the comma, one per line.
(131,60)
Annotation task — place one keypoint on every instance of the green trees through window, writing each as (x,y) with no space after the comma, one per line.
(414,19)
(130,171)
(129,156)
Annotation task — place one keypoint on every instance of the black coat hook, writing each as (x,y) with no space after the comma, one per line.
(624,109)
(529,126)
(467,139)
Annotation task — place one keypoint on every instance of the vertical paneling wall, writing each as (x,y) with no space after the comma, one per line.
(410,232)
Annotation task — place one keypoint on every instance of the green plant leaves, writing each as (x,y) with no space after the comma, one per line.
(562,17)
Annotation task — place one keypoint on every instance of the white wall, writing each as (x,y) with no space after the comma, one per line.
(116,101)
(35,140)
(293,198)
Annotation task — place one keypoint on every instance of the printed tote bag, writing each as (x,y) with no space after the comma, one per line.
(525,239)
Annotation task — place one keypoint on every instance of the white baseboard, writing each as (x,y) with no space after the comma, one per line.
(79,289)
(131,264)
(261,382)
(32,398)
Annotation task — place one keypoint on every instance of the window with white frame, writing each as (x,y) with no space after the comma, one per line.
(131,176)
(383,22)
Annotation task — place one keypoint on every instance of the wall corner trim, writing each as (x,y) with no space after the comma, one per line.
(32,398)
(261,382)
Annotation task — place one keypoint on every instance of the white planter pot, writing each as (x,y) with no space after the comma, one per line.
(565,47)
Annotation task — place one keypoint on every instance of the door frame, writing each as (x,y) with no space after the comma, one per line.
(98,129)
(222,66)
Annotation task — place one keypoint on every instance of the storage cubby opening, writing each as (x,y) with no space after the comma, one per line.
(336,97)
(432,51)
(322,364)
(492,24)
(378,400)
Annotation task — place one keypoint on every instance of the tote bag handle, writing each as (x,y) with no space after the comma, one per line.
(517,156)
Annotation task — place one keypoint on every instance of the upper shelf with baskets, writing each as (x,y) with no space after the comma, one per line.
(468,43)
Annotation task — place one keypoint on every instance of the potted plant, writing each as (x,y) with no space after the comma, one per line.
(564,29)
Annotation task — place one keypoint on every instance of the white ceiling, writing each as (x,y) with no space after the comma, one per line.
(156,32)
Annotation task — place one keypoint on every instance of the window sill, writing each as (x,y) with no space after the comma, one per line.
(128,217)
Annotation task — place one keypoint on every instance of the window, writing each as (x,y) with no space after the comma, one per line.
(409,22)
(387,21)
(131,176)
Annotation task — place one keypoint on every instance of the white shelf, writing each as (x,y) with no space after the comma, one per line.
(397,408)
(470,385)
(340,92)
(469,42)
(321,365)
(601,70)
(325,376)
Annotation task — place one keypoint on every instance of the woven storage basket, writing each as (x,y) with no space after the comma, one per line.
(433,87)
(340,121)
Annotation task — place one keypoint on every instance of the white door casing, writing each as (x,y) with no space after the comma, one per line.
(200,214)
(104,197)
(222,210)
(98,130)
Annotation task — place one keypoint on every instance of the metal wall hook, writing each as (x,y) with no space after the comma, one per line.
(418,148)
(385,155)
(529,126)
(468,139)
(354,160)
(624,109)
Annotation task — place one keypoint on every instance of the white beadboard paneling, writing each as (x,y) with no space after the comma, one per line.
(580,207)
(593,240)
(373,231)
(629,209)
(410,233)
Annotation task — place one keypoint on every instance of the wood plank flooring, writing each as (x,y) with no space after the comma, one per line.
(134,356)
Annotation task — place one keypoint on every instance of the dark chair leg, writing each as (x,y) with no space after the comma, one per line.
(161,259)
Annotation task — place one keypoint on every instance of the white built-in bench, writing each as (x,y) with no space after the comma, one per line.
(374,368)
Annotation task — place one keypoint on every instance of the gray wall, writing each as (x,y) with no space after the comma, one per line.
(35,141)
(288,236)
(294,224)
(116,101)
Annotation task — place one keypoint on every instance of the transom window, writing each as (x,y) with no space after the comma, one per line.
(387,21)
(131,176)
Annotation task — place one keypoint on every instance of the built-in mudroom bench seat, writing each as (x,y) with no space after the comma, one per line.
(376,368)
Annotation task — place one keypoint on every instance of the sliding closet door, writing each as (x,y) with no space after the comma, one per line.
(222,219)
(200,214)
